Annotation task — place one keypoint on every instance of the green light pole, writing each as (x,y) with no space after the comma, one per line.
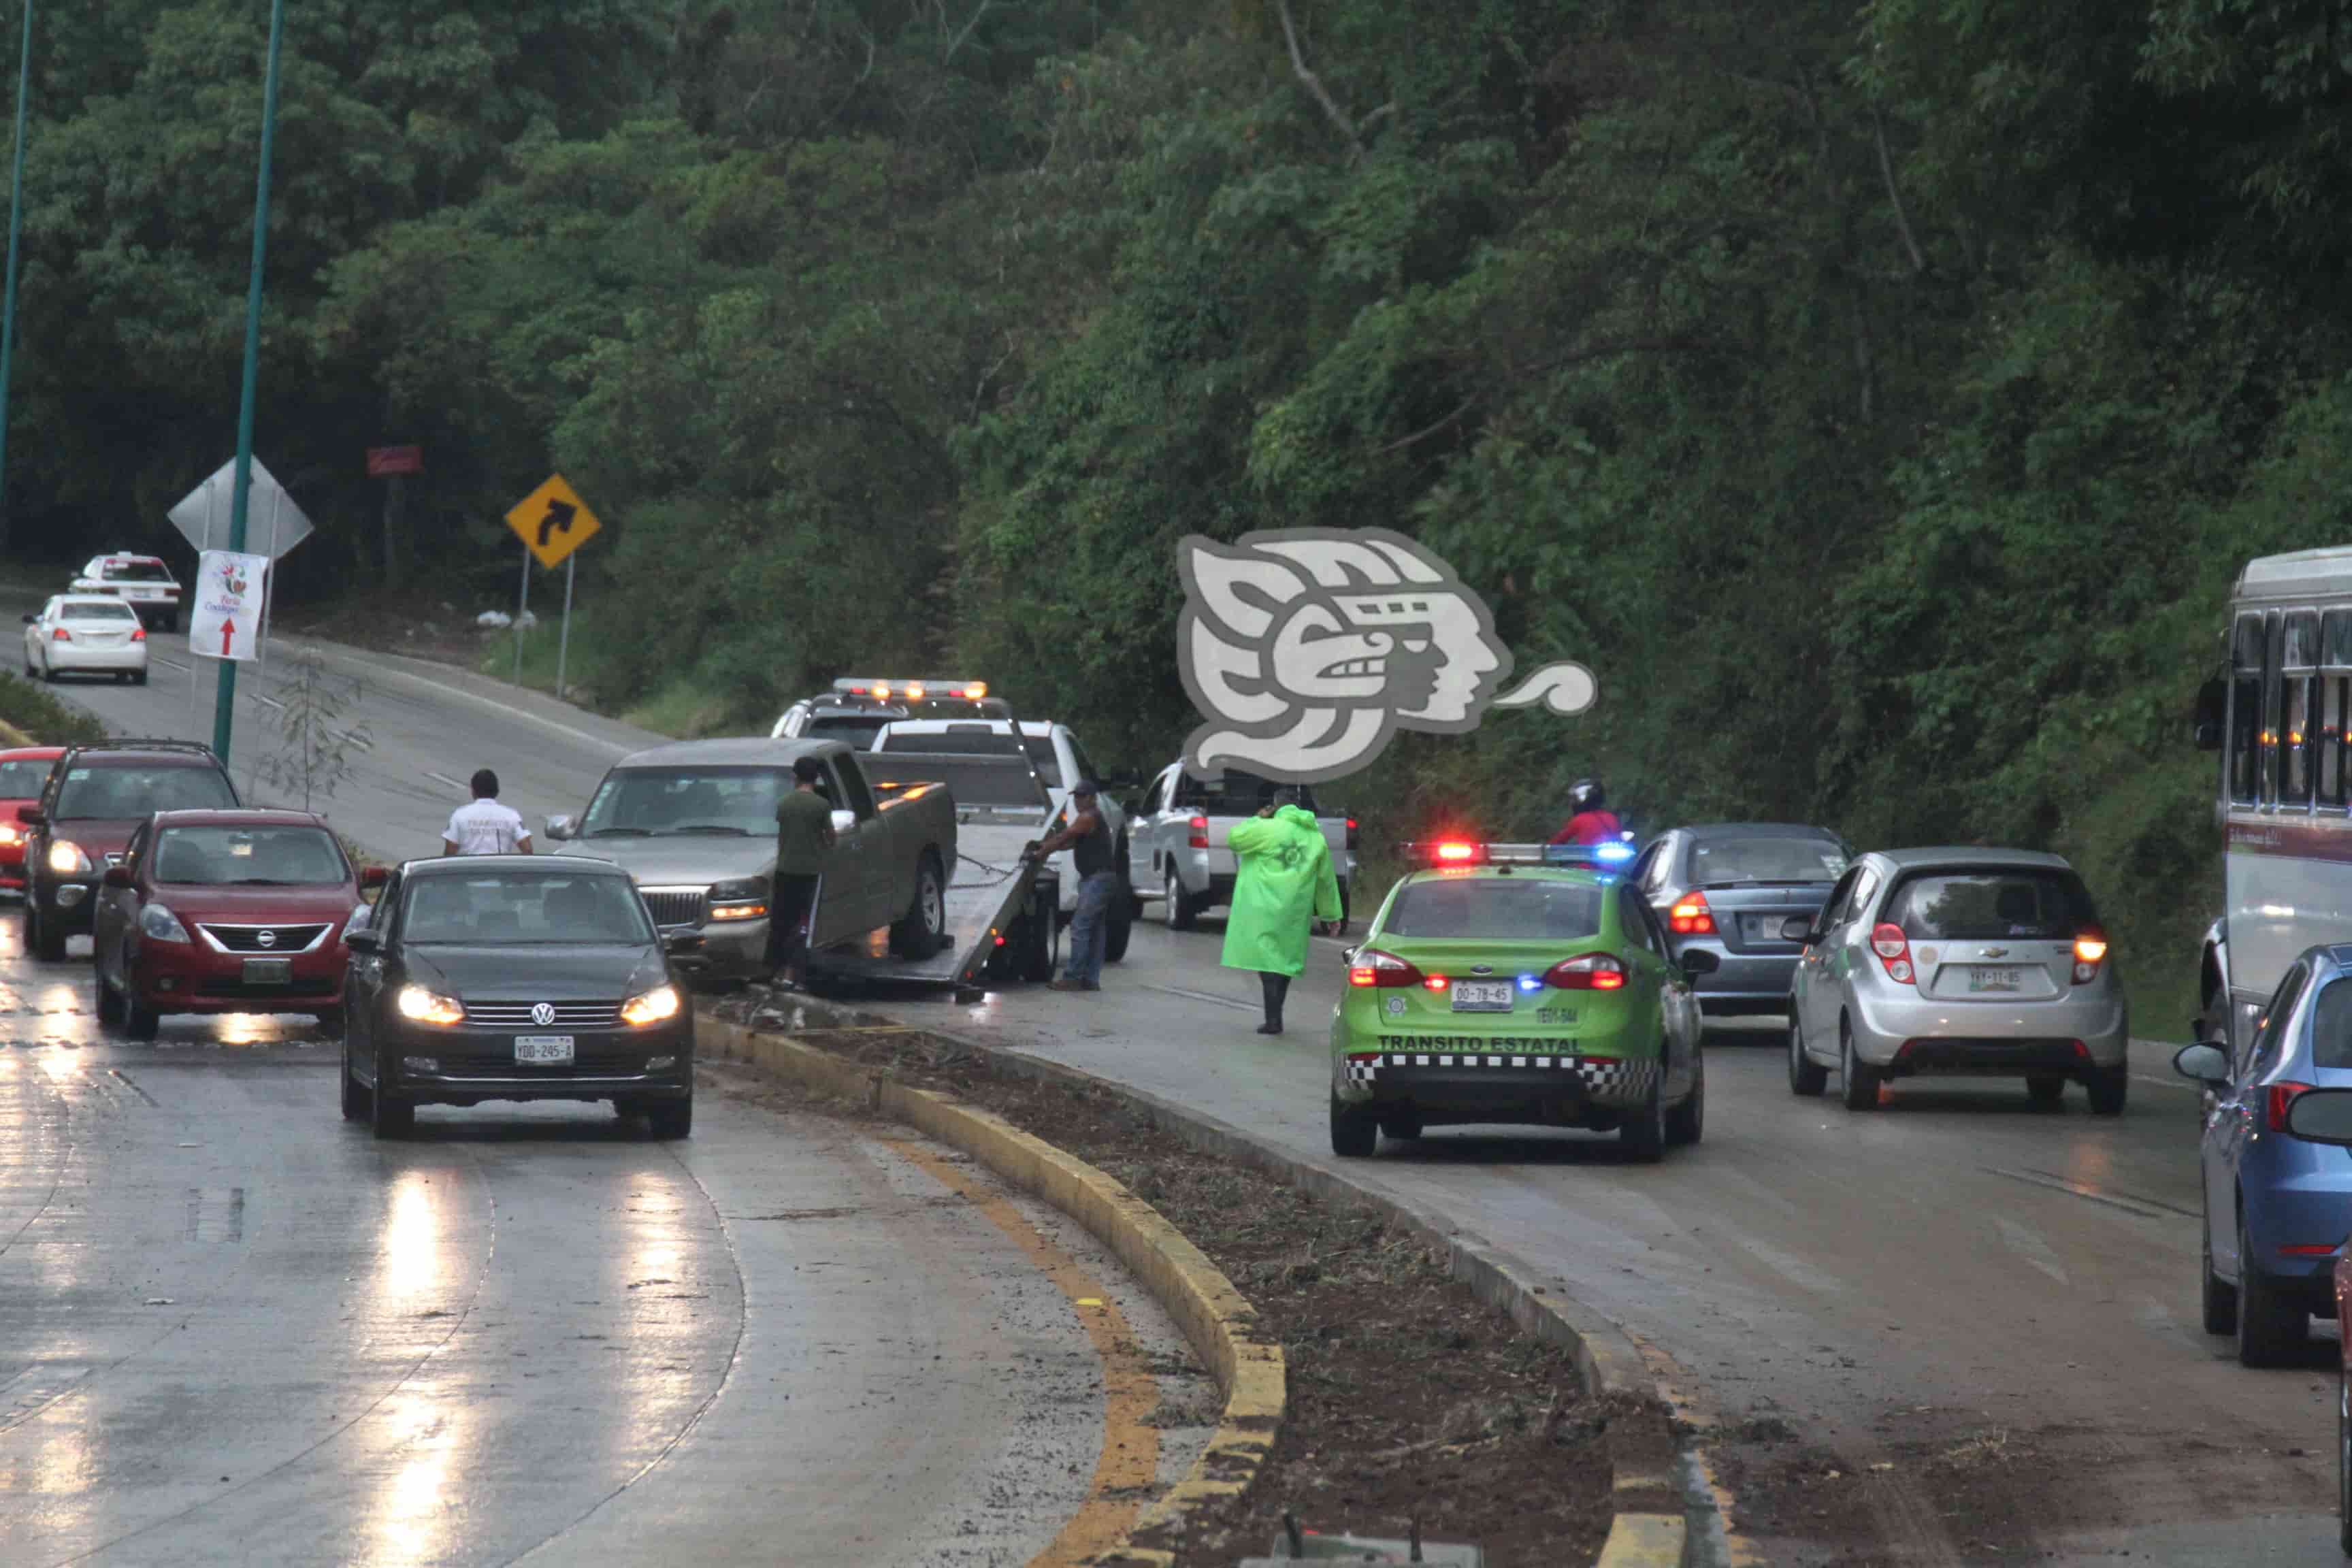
(225,703)
(15,234)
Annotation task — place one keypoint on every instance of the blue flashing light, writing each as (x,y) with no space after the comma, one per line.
(1530,983)
(1613,853)
(1607,855)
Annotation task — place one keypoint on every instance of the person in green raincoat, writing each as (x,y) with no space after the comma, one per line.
(1284,886)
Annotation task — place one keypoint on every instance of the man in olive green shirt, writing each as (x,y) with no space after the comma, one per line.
(803,838)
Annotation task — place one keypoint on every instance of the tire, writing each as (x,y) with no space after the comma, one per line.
(1355,1131)
(110,1003)
(669,1120)
(1403,1124)
(1040,939)
(1807,1077)
(390,1117)
(331,1021)
(1861,1079)
(922,930)
(1122,927)
(139,1021)
(138,678)
(2046,1088)
(2271,1327)
(47,942)
(1180,911)
(49,675)
(2110,1088)
(357,1105)
(1643,1133)
(2219,1297)
(1687,1121)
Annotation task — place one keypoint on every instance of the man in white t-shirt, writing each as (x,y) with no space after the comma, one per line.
(483,827)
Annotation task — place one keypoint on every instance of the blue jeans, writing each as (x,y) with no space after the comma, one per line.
(1090,928)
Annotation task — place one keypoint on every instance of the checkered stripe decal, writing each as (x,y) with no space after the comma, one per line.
(1608,1081)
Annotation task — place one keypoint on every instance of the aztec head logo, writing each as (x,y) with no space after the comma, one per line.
(1307,648)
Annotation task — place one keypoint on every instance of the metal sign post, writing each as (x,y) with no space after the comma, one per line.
(522,607)
(563,642)
(15,234)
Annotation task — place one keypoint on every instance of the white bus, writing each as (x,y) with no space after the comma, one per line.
(2281,718)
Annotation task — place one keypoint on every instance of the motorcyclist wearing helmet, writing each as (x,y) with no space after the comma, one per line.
(1593,822)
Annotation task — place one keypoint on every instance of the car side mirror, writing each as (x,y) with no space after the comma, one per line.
(2202,1064)
(31,816)
(32,620)
(116,877)
(2326,1120)
(373,876)
(675,943)
(1797,928)
(2212,710)
(1697,960)
(844,822)
(561,827)
(363,941)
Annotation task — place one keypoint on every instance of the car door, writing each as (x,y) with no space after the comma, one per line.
(1677,1009)
(850,904)
(1805,985)
(2237,1116)
(37,634)
(117,909)
(1849,952)
(365,982)
(1141,828)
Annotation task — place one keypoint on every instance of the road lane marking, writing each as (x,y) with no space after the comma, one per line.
(269,702)
(170,663)
(1128,1469)
(2031,1249)
(445,779)
(2164,1082)
(2139,1207)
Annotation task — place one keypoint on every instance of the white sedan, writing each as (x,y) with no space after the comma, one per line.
(88,632)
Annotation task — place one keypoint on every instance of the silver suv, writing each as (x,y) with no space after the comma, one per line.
(1980,963)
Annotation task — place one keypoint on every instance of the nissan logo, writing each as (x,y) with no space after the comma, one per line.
(543,1013)
(266,938)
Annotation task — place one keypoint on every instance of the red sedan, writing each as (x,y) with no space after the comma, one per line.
(225,911)
(23,771)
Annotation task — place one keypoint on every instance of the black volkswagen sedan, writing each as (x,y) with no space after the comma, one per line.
(515,977)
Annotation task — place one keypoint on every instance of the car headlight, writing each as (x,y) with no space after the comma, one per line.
(157,923)
(11,834)
(745,899)
(430,1006)
(67,859)
(650,1006)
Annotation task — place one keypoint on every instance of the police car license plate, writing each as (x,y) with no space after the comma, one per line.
(543,1049)
(269,971)
(1981,979)
(1482,995)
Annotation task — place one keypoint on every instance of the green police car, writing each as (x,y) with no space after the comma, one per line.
(1526,983)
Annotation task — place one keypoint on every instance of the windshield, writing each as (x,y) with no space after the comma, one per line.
(268,856)
(679,802)
(96,610)
(141,790)
(1965,906)
(508,908)
(976,780)
(136,571)
(1234,794)
(857,729)
(22,779)
(1493,909)
(1718,862)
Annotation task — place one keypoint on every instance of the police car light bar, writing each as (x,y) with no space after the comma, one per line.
(911,691)
(1462,852)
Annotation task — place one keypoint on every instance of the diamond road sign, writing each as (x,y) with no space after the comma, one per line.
(552,522)
(273,523)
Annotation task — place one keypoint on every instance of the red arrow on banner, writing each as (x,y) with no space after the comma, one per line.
(229,631)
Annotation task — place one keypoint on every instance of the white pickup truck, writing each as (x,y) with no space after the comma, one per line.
(1176,840)
(1052,750)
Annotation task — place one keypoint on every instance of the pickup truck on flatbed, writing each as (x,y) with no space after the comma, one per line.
(694,822)
(1177,840)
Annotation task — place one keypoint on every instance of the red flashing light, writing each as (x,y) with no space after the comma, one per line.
(1434,983)
(1691,916)
(1894,949)
(1593,972)
(1385,970)
(2280,1096)
(1458,852)
(1199,827)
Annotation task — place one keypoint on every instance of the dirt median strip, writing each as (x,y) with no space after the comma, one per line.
(1454,1473)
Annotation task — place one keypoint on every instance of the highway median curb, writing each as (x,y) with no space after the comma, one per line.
(1213,1315)
(1649,1528)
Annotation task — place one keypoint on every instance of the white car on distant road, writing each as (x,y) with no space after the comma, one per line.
(143,581)
(86,633)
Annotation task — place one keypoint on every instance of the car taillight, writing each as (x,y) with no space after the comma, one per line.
(1593,972)
(1373,967)
(1691,916)
(1200,839)
(2090,952)
(139,634)
(2274,1103)
(61,635)
(1352,833)
(1894,949)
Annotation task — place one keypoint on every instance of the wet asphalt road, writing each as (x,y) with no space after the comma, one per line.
(235,1329)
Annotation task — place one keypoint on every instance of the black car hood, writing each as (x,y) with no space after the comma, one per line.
(534,973)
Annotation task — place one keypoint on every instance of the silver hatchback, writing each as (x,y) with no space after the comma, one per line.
(1977,963)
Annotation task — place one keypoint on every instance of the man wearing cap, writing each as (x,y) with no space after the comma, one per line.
(1088,842)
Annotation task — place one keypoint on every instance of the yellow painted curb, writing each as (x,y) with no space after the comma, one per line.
(1216,1322)
(13,737)
(1645,1540)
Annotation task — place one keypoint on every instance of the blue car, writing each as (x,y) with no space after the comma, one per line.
(2278,1206)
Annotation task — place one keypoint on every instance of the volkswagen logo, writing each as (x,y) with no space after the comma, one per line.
(265,938)
(543,1014)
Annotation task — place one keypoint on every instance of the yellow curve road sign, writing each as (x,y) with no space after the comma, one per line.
(552,522)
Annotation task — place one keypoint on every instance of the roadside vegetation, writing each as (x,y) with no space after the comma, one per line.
(43,720)
(1879,397)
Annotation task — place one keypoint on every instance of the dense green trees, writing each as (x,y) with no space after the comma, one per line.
(1880,397)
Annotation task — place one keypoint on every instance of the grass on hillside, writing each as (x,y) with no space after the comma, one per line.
(44,721)
(685,708)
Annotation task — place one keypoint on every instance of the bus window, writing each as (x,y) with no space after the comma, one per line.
(2273,720)
(2245,709)
(2334,707)
(2298,744)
